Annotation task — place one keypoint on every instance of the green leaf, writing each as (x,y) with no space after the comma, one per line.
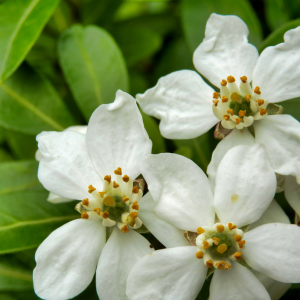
(137,43)
(29,104)
(185,151)
(5,156)
(194,15)
(276,37)
(26,218)
(93,66)
(21,22)
(291,107)
(276,13)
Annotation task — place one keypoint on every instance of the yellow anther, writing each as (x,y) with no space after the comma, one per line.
(235,97)
(215,102)
(134,214)
(124,229)
(125,178)
(118,171)
(248,98)
(101,194)
(230,79)
(135,205)
(107,178)
(238,255)
(237,237)
(242,113)
(91,189)
(227,266)
(257,90)
(125,198)
(262,111)
(220,228)
(84,215)
(209,264)
(231,226)
(219,265)
(199,254)
(115,185)
(223,82)
(85,202)
(216,241)
(226,117)
(260,102)
(216,95)
(105,214)
(222,248)
(244,79)
(109,201)
(224,99)
(238,120)
(135,190)
(206,245)
(230,111)
(97,210)
(200,230)
(241,244)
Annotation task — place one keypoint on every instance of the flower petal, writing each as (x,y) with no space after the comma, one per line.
(236,283)
(275,72)
(181,190)
(166,233)
(235,138)
(245,185)
(273,214)
(167,274)
(57,199)
(292,193)
(276,289)
(273,249)
(280,135)
(225,50)
(116,137)
(183,103)
(119,255)
(67,259)
(65,167)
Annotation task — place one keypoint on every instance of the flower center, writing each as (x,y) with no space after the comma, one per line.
(219,245)
(116,204)
(238,107)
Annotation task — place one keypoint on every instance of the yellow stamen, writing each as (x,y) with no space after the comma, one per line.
(134,214)
(91,189)
(85,202)
(118,171)
(200,230)
(125,198)
(219,265)
(257,90)
(238,120)
(220,228)
(107,178)
(231,226)
(105,214)
(222,248)
(124,229)
(226,117)
(248,98)
(260,102)
(237,237)
(109,201)
(244,79)
(125,178)
(230,111)
(262,111)
(206,245)
(101,194)
(135,190)
(115,185)
(84,215)
(238,255)
(230,79)
(97,210)
(241,244)
(235,97)
(223,82)
(209,263)
(215,102)
(135,205)
(216,95)
(199,254)
(216,241)
(227,266)
(242,113)
(224,99)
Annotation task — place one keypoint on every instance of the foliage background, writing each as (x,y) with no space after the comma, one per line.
(59,60)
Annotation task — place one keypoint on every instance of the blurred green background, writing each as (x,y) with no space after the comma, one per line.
(60,60)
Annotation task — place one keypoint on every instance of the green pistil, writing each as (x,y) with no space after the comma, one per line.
(223,240)
(115,212)
(242,105)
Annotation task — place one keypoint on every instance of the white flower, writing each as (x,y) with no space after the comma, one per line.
(244,188)
(98,168)
(248,83)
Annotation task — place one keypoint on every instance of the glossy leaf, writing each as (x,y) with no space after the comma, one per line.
(93,66)
(29,104)
(194,15)
(21,22)
(26,218)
